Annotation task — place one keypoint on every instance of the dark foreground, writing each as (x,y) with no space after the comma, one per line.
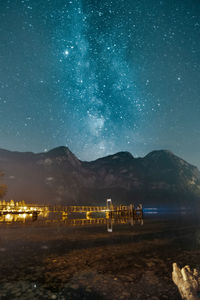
(59,262)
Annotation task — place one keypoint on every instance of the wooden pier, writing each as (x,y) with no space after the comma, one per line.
(109,210)
(72,215)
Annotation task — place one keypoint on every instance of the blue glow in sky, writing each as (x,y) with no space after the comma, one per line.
(100,76)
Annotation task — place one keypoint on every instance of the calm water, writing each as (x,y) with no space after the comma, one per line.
(55,257)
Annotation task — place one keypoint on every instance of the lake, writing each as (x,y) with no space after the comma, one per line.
(59,260)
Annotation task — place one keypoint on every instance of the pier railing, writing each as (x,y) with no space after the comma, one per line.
(110,210)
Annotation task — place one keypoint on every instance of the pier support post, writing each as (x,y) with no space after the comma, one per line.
(109,225)
(34,216)
(109,204)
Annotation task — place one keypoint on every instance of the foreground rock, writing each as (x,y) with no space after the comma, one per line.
(187,282)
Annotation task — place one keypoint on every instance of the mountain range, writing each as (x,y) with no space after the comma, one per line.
(59,177)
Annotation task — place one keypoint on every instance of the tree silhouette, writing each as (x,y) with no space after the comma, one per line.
(3,187)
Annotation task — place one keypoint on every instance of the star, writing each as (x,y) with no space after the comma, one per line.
(95,72)
(66,52)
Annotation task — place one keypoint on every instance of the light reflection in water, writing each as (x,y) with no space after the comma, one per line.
(19,212)
(21,217)
(45,218)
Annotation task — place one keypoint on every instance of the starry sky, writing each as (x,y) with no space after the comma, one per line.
(100,76)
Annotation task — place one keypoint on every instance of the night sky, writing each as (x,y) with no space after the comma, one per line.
(100,76)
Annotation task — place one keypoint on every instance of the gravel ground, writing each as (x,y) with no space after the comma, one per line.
(60,262)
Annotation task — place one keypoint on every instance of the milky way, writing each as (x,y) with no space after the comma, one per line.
(100,76)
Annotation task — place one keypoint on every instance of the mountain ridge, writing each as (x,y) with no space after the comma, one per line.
(66,149)
(59,177)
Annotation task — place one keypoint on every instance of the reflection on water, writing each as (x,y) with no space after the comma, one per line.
(20,212)
(52,218)
(8,218)
(22,217)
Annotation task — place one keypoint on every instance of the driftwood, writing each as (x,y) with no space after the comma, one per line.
(187,281)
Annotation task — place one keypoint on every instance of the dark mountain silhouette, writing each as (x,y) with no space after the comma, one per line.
(59,177)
